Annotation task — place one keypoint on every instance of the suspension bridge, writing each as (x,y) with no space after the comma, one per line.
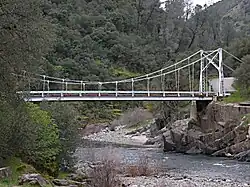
(200,76)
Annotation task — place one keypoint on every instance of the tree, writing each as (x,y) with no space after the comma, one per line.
(46,146)
(243,77)
(65,117)
(25,37)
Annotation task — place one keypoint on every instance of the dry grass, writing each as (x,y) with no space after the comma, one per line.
(132,117)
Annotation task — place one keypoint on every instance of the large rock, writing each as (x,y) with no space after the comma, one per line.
(168,144)
(156,125)
(219,130)
(152,141)
(176,136)
(94,128)
(5,172)
(220,153)
(61,182)
(243,156)
(239,147)
(68,183)
(193,135)
(194,151)
(33,179)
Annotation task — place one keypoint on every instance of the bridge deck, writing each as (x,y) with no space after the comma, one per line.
(40,99)
(38,96)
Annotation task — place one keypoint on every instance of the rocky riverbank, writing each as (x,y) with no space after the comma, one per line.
(123,135)
(220,130)
(178,180)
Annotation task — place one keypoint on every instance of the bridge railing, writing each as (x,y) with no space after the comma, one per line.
(45,94)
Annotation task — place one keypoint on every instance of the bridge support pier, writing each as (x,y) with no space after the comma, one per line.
(193,111)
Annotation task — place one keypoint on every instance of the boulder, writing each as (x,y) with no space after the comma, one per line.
(243,156)
(225,141)
(78,178)
(168,145)
(83,169)
(193,135)
(230,125)
(209,150)
(192,124)
(176,136)
(5,172)
(94,128)
(239,147)
(156,125)
(152,141)
(220,153)
(194,151)
(33,179)
(60,182)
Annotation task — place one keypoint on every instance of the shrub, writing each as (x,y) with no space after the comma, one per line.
(243,76)
(142,168)
(105,173)
(133,117)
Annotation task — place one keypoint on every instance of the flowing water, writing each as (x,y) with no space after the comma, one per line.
(202,166)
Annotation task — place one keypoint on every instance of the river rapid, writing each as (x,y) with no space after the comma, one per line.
(197,166)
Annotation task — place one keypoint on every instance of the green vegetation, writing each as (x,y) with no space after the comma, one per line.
(235,98)
(18,168)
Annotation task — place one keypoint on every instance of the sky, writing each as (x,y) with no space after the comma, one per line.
(202,2)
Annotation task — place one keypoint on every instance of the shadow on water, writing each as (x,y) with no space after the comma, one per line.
(199,165)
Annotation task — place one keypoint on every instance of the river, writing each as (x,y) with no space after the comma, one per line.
(200,166)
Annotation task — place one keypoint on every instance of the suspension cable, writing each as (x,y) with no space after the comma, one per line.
(229,67)
(233,56)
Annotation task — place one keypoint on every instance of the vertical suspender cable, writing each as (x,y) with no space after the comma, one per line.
(132,84)
(178,73)
(48,85)
(116,88)
(62,87)
(44,79)
(193,79)
(81,88)
(83,85)
(148,85)
(189,77)
(44,85)
(176,81)
(99,88)
(206,79)
(162,83)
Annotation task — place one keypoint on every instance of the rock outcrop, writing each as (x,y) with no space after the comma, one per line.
(5,172)
(220,130)
(33,179)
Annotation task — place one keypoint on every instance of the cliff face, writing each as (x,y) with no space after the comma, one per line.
(222,130)
(219,116)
